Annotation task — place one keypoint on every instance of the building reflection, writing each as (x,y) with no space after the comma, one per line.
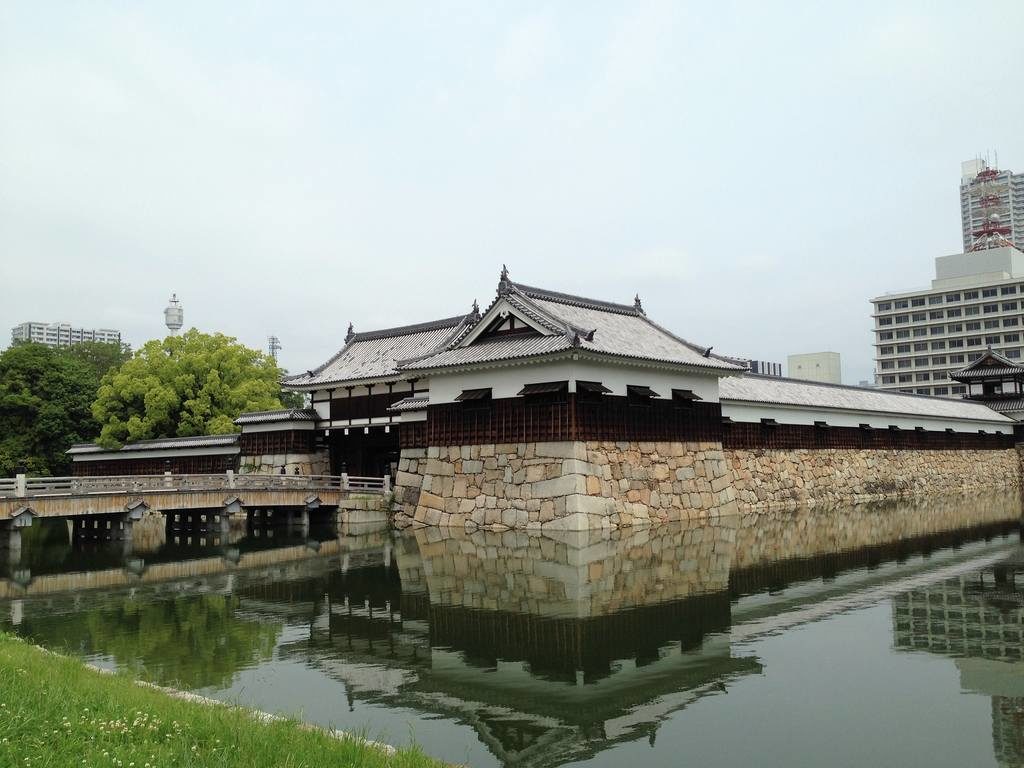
(551,648)
(977,620)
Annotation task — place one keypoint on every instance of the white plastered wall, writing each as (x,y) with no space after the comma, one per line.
(783,414)
(507,382)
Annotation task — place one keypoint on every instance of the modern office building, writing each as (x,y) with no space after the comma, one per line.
(62,334)
(991,205)
(815,366)
(974,304)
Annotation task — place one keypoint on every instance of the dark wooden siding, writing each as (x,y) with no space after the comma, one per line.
(789,436)
(286,441)
(179,465)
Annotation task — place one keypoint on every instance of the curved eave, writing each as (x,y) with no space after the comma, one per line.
(583,354)
(997,418)
(342,383)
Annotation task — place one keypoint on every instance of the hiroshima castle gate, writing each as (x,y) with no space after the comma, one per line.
(549,411)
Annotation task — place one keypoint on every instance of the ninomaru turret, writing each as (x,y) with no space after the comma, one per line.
(174,315)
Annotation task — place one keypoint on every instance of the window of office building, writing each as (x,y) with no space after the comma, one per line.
(955,328)
(903,363)
(941,391)
(939,376)
(934,299)
(974,326)
(888,379)
(990,340)
(917,302)
(959,389)
(954,312)
(972,356)
(885,321)
(952,297)
(1014,353)
(886,365)
(922,391)
(1011,322)
(956,343)
(1009,306)
(918,318)
(974,341)
(988,293)
(940,360)
(970,295)
(902,348)
(938,345)
(905,377)
(921,346)
(902,334)
(956,358)
(991,324)
(920,332)
(990,308)
(885,350)
(1011,338)
(885,336)
(920,362)
(902,304)
(902,319)
(923,377)
(975,310)
(937,330)
(1008,290)
(884,307)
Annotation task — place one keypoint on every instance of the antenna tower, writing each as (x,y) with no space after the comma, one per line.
(988,190)
(274,346)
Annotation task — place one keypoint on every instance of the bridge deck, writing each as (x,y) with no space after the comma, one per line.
(83,496)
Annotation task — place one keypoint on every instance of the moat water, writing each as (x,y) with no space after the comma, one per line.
(873,635)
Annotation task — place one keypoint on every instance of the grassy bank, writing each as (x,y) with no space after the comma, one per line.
(56,712)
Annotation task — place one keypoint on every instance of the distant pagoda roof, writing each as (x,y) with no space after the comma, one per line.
(991,365)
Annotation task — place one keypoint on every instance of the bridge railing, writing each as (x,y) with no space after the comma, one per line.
(22,486)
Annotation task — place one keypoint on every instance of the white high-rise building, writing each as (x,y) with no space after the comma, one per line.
(975,302)
(991,199)
(62,334)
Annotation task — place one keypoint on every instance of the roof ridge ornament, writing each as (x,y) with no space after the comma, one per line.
(637,305)
(504,284)
(350,334)
(475,311)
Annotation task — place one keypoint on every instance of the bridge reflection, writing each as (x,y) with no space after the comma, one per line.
(551,649)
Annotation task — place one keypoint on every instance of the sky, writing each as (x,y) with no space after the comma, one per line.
(754,171)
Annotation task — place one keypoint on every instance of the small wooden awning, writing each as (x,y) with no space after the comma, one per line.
(545,387)
(685,394)
(637,390)
(474,394)
(592,387)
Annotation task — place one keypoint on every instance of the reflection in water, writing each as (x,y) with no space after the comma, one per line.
(547,649)
(978,619)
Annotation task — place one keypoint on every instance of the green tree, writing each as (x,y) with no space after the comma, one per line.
(45,397)
(193,384)
(100,356)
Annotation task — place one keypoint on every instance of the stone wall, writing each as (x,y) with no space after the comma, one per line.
(587,485)
(764,478)
(271,464)
(562,486)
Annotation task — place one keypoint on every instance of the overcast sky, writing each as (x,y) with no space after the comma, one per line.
(755,171)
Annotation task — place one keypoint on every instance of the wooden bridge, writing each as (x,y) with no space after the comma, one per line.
(106,507)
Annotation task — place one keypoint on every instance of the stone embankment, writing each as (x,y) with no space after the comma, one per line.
(286,463)
(592,485)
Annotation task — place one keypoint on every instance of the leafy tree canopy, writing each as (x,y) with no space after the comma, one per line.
(100,356)
(193,384)
(45,396)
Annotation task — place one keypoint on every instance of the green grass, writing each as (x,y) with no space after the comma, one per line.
(54,711)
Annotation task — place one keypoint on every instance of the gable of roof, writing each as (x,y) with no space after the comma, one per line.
(570,322)
(375,354)
(990,365)
(772,390)
(269,417)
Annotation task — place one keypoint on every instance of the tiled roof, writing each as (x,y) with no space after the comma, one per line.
(374,355)
(602,327)
(166,443)
(990,365)
(1006,406)
(416,403)
(780,391)
(284,414)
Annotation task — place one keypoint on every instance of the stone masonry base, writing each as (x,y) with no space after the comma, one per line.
(592,485)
